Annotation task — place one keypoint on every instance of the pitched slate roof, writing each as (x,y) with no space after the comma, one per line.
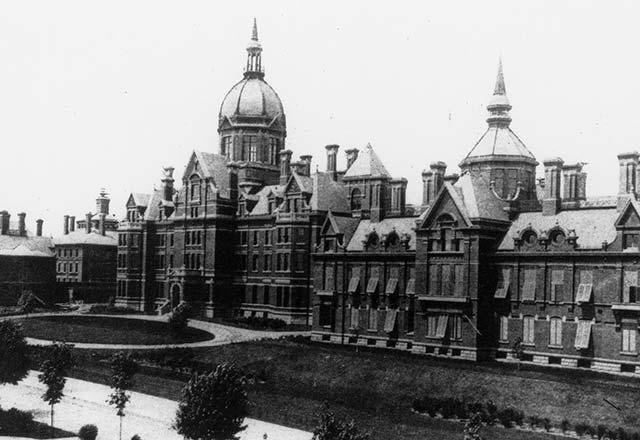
(94,237)
(262,196)
(402,225)
(328,194)
(26,246)
(141,199)
(500,141)
(214,166)
(367,164)
(592,226)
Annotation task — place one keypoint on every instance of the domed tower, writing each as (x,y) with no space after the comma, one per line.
(252,124)
(500,156)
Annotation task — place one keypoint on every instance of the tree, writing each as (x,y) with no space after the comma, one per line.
(213,405)
(54,369)
(517,350)
(123,368)
(88,432)
(472,427)
(333,428)
(14,362)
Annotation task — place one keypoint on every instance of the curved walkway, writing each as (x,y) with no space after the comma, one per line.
(223,334)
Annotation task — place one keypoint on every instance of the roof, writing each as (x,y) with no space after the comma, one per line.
(82,237)
(214,166)
(592,226)
(328,194)
(402,225)
(344,225)
(367,164)
(262,206)
(499,141)
(141,199)
(251,97)
(26,246)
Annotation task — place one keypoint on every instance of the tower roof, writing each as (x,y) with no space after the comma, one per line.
(367,164)
(499,139)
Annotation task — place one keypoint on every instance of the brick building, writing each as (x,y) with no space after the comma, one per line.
(495,257)
(235,236)
(27,261)
(86,255)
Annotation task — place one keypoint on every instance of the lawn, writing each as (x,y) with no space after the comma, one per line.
(110,330)
(377,388)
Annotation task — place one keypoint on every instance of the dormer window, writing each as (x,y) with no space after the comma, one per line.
(631,241)
(373,240)
(530,238)
(446,236)
(557,237)
(356,199)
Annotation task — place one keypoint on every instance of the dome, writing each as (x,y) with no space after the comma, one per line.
(251,97)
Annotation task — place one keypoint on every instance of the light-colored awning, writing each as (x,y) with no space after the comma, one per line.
(583,335)
(390,320)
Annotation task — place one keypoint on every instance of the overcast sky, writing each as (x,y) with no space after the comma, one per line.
(103,94)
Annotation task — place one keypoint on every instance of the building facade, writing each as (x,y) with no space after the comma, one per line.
(86,256)
(234,237)
(496,258)
(27,261)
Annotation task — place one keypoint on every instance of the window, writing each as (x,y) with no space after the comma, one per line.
(354,281)
(447,241)
(243,238)
(631,241)
(355,318)
(529,287)
(411,307)
(528,333)
(298,262)
(274,143)
(557,285)
(267,238)
(265,295)
(250,148)
(583,335)
(629,295)
(255,238)
(437,325)
(555,332)
(194,191)
(266,263)
(585,287)
(226,147)
(629,340)
(432,325)
(502,288)
(325,313)
(254,263)
(504,328)
(356,199)
(455,327)
(390,320)
(254,294)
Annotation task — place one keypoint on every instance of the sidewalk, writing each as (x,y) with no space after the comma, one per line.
(149,417)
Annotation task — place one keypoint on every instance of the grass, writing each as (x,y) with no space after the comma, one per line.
(377,388)
(15,423)
(107,330)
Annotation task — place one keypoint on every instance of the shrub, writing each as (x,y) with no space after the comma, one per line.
(179,319)
(13,421)
(88,432)
(330,428)
(564,425)
(620,434)
(505,417)
(533,421)
(601,431)
(109,309)
(136,437)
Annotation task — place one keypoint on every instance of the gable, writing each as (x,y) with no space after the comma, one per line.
(629,218)
(447,202)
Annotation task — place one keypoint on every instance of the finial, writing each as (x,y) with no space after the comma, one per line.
(500,89)
(254,34)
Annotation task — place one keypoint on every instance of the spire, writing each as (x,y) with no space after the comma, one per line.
(254,55)
(254,34)
(499,105)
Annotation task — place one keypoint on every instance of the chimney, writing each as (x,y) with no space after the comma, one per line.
(451,178)
(552,177)
(432,181)
(377,212)
(285,166)
(332,160)
(65,227)
(305,160)
(102,202)
(101,224)
(167,183)
(39,227)
(72,223)
(352,155)
(627,188)
(4,222)
(575,182)
(22,229)
(88,219)
(398,197)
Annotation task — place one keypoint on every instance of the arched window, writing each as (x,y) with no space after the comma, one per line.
(446,238)
(529,238)
(392,238)
(373,240)
(557,236)
(356,199)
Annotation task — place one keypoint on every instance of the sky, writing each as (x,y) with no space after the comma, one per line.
(104,94)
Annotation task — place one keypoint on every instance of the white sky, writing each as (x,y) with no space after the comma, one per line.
(103,94)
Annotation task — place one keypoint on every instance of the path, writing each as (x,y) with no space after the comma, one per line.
(148,416)
(224,334)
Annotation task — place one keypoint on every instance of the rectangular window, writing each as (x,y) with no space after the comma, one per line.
(528,332)
(265,295)
(446,285)
(583,335)
(455,327)
(325,313)
(434,280)
(226,146)
(629,340)
(255,238)
(266,266)
(254,263)
(502,288)
(373,319)
(354,282)
(459,280)
(390,320)
(432,325)
(529,286)
(250,148)
(555,332)
(504,328)
(585,287)
(557,285)
(355,318)
(267,238)
(630,286)
(411,287)
(442,326)
(411,307)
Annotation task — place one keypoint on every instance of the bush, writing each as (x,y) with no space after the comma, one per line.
(136,437)
(564,425)
(179,319)
(13,421)
(601,431)
(261,323)
(88,432)
(110,309)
